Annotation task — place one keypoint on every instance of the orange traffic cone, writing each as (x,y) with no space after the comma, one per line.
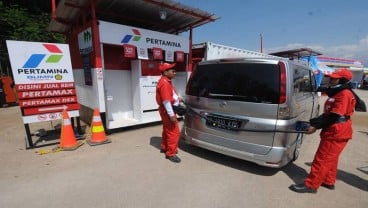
(98,135)
(68,140)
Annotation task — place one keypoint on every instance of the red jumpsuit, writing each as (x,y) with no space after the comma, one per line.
(333,140)
(170,133)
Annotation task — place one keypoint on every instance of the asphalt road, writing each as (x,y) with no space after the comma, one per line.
(131,172)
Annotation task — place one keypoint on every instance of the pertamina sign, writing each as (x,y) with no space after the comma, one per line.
(43,79)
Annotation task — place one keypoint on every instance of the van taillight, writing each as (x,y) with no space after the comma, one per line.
(282,98)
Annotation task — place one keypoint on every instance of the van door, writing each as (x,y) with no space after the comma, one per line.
(303,92)
(228,92)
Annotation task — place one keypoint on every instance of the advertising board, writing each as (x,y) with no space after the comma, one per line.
(43,79)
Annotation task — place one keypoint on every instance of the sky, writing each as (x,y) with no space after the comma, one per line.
(336,28)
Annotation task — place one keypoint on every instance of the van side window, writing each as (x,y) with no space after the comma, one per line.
(302,80)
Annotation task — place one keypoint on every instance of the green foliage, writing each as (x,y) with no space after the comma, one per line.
(17,23)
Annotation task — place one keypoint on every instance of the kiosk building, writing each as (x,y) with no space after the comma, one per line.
(116,46)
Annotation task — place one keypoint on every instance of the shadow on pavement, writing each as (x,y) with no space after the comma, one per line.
(295,173)
(227,161)
(155,142)
(350,179)
(44,138)
(363,169)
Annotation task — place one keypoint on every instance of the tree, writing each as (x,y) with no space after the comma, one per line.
(18,23)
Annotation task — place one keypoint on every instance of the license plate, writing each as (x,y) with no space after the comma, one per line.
(223,123)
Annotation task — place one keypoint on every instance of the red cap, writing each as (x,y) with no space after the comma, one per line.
(341,73)
(165,66)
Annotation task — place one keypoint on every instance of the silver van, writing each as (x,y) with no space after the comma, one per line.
(249,108)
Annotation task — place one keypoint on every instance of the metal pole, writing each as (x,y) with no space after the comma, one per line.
(261,36)
(190,64)
(29,142)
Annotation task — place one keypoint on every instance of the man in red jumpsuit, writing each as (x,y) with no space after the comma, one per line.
(166,97)
(336,131)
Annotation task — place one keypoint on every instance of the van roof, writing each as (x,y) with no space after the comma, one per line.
(273,60)
(239,60)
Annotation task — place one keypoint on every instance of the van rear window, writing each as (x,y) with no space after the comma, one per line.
(248,82)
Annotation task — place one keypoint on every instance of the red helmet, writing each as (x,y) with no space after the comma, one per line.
(341,73)
(165,66)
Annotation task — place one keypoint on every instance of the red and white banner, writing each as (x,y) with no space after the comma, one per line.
(46,93)
(43,86)
(129,51)
(179,56)
(157,54)
(50,109)
(47,101)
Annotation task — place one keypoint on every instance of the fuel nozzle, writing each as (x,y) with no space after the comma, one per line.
(302,126)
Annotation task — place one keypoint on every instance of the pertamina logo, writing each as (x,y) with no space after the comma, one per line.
(35,59)
(31,68)
(87,37)
(136,36)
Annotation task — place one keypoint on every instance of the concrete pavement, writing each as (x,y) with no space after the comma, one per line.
(131,172)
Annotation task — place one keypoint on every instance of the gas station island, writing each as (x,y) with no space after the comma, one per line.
(116,47)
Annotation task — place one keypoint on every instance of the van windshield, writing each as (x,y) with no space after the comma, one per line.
(248,82)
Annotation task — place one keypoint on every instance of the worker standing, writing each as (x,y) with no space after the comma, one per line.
(336,131)
(166,97)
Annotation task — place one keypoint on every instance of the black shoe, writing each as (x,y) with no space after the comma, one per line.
(174,159)
(331,187)
(164,151)
(301,188)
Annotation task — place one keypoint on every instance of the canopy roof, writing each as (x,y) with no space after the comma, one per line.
(138,13)
(297,53)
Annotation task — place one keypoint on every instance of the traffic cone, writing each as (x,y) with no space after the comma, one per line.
(98,135)
(68,141)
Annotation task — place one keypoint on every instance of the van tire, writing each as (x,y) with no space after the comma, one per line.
(298,145)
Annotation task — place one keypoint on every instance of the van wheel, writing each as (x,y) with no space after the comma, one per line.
(298,145)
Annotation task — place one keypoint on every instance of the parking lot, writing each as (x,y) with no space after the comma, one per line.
(131,172)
